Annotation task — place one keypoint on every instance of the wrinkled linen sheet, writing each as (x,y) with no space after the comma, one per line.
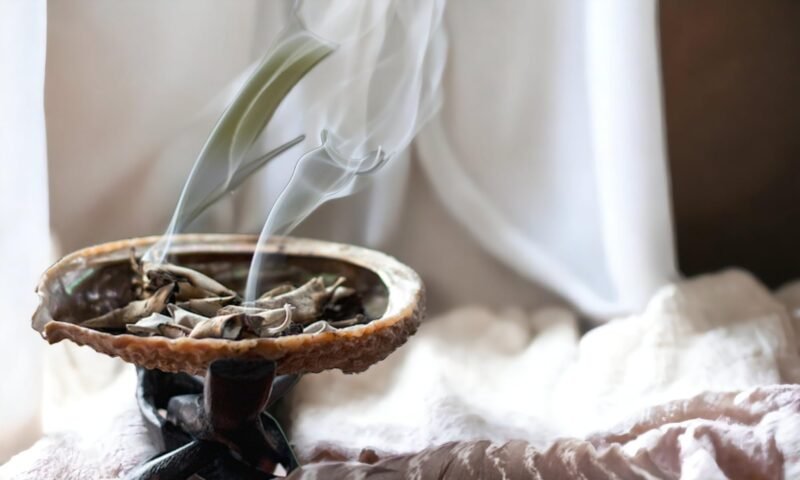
(476,375)
(699,385)
(754,434)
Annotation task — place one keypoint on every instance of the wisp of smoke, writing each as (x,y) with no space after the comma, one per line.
(388,64)
(366,101)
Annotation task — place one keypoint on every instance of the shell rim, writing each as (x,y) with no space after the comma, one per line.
(405,290)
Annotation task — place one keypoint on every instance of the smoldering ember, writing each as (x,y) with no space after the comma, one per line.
(175,301)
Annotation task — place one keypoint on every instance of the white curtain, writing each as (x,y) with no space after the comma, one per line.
(24,226)
(548,150)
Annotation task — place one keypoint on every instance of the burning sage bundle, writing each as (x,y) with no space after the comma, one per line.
(176,301)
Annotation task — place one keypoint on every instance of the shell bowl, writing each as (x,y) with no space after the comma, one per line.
(97,279)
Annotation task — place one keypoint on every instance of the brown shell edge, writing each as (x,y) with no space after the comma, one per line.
(351,350)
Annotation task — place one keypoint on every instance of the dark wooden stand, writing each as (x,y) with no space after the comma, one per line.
(218,429)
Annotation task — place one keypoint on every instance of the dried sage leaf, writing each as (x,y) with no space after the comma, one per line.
(184,317)
(208,307)
(158,324)
(163,273)
(133,311)
(319,327)
(227,327)
(279,290)
(308,299)
(348,322)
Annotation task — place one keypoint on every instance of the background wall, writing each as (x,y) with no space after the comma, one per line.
(731,71)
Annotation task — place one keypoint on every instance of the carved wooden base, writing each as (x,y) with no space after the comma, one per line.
(220,429)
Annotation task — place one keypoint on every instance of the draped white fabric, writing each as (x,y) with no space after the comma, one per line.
(24,227)
(548,148)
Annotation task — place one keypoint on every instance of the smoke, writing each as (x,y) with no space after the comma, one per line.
(371,97)
(365,102)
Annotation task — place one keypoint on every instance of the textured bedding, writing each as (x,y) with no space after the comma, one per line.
(754,434)
(701,384)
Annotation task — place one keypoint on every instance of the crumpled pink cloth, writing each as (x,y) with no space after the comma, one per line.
(447,405)
(72,456)
(750,435)
(754,434)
